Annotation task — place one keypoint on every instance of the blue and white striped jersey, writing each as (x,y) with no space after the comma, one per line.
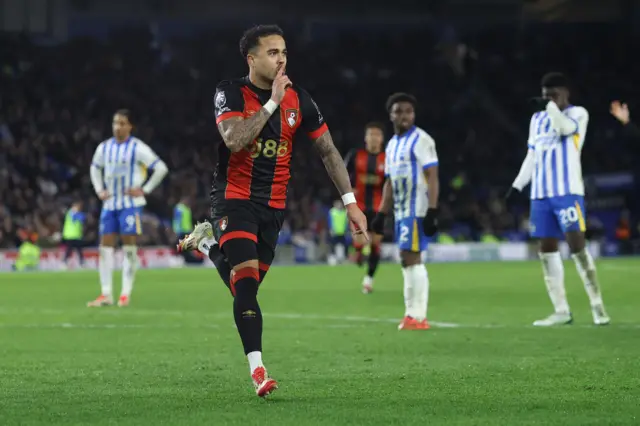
(406,156)
(124,166)
(557,169)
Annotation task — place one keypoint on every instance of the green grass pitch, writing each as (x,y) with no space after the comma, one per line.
(174,358)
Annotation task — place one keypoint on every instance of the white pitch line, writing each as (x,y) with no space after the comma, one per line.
(618,267)
(204,315)
(67,325)
(129,312)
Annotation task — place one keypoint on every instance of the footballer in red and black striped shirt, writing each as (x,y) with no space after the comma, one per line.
(259,117)
(366,169)
(261,171)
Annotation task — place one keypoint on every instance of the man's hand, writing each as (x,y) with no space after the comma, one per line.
(104,195)
(280,85)
(377,225)
(357,220)
(135,192)
(430,222)
(620,111)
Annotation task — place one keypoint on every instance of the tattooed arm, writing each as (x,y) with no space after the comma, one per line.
(238,133)
(333,163)
(338,173)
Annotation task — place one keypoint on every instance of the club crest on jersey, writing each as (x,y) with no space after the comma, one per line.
(221,99)
(223,223)
(292,117)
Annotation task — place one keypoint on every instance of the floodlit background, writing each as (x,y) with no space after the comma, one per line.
(173,356)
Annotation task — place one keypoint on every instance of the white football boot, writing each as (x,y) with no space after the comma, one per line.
(192,241)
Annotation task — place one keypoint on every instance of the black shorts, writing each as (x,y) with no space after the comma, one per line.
(338,239)
(76,244)
(370,215)
(248,220)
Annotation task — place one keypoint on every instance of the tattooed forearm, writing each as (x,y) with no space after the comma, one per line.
(333,163)
(387,197)
(239,133)
(431,175)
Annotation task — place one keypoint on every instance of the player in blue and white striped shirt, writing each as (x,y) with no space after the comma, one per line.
(412,186)
(118,174)
(552,166)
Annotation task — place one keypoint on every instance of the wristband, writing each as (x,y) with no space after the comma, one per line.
(348,198)
(270,106)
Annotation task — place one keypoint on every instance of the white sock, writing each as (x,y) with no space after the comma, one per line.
(367,281)
(105,269)
(340,252)
(553,269)
(255,360)
(129,267)
(205,244)
(414,288)
(419,284)
(408,294)
(587,270)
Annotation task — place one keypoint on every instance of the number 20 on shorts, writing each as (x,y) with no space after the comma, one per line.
(269,148)
(568,215)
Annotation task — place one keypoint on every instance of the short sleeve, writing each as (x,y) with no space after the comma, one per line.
(228,101)
(145,155)
(98,156)
(425,151)
(312,120)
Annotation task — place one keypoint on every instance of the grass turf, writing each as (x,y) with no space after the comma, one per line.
(174,358)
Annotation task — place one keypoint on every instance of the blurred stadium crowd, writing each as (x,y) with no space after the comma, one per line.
(57,102)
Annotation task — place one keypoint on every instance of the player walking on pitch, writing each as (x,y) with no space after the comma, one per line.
(366,168)
(258,116)
(412,187)
(553,167)
(118,170)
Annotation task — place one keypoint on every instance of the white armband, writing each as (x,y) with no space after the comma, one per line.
(348,198)
(270,106)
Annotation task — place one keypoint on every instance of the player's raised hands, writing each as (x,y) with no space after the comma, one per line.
(280,85)
(620,111)
(357,221)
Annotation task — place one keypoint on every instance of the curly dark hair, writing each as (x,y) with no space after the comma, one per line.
(401,97)
(251,37)
(554,79)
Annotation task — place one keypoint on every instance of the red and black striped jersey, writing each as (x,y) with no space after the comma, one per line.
(367,177)
(262,171)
